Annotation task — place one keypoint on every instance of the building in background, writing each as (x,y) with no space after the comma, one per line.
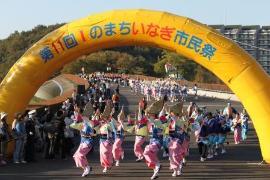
(254,39)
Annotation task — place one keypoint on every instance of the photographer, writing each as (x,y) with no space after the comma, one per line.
(4,137)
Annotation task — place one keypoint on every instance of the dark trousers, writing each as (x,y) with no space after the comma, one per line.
(50,147)
(60,145)
(30,149)
(202,149)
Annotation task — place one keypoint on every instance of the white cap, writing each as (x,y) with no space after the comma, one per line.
(32,112)
(2,115)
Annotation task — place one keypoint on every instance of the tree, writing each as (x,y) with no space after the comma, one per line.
(183,66)
(13,47)
(203,75)
(125,63)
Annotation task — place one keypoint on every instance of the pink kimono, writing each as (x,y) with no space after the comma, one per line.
(80,155)
(85,146)
(176,154)
(117,149)
(237,130)
(237,134)
(105,147)
(151,150)
(138,150)
(177,150)
(139,140)
(151,154)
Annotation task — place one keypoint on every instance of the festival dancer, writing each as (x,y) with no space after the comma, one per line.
(151,150)
(164,121)
(237,128)
(148,93)
(105,147)
(211,124)
(190,109)
(184,136)
(224,129)
(201,139)
(176,149)
(85,146)
(117,150)
(141,131)
(244,124)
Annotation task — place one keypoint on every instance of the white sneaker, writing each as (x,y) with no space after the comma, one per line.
(157,168)
(155,175)
(202,159)
(216,154)
(184,160)
(210,156)
(139,159)
(16,162)
(105,170)
(86,171)
(24,162)
(156,171)
(117,163)
(174,174)
(223,151)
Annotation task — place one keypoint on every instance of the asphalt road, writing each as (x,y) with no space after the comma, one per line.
(240,162)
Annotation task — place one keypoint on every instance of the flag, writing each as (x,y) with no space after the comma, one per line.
(169,67)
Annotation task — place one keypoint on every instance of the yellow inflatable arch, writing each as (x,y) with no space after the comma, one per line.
(179,34)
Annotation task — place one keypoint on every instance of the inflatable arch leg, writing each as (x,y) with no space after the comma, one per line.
(147,28)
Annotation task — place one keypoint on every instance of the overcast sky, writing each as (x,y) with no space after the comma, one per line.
(25,14)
